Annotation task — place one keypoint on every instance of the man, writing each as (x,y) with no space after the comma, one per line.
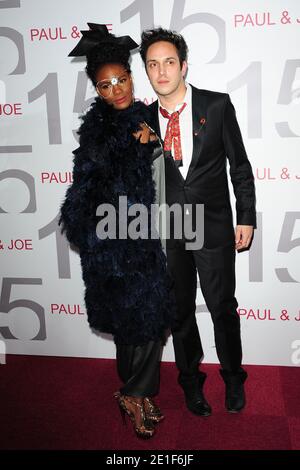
(200,132)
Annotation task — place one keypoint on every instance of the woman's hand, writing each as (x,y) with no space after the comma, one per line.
(145,134)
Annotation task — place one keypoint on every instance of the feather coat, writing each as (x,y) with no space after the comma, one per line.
(127,287)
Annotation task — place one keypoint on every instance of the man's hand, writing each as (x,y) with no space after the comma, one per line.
(243,236)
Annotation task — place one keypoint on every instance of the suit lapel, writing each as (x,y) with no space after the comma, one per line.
(199,111)
(155,120)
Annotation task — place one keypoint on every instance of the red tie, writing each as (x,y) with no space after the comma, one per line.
(173,133)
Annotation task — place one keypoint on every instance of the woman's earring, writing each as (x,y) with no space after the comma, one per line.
(132,91)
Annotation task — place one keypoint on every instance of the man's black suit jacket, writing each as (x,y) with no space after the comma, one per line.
(215,141)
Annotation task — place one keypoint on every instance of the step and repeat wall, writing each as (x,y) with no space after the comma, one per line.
(249,49)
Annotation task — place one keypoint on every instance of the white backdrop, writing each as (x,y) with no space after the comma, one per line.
(249,49)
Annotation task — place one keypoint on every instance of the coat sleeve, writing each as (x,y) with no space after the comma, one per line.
(240,168)
(158,175)
(77,212)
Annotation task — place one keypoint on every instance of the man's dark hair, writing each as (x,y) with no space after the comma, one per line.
(151,36)
(108,54)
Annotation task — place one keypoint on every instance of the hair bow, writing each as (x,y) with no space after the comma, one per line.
(97,35)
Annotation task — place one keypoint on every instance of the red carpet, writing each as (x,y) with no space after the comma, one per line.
(66,403)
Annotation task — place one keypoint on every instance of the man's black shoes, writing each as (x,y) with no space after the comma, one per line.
(194,396)
(196,402)
(235,399)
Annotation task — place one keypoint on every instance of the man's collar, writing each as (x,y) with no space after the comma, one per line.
(187,99)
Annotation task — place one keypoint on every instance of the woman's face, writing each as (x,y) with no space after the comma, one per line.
(114,85)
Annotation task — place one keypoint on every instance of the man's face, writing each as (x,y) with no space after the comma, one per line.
(163,68)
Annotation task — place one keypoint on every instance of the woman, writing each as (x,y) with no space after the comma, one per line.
(126,283)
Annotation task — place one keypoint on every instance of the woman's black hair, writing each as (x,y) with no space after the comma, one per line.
(108,54)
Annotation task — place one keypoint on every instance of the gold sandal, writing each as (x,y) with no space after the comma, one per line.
(152,411)
(146,429)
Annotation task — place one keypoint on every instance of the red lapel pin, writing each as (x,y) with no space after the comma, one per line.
(202,121)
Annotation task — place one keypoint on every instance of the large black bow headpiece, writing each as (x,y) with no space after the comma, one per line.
(98,35)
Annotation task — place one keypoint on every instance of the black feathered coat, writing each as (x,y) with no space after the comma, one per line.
(127,288)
